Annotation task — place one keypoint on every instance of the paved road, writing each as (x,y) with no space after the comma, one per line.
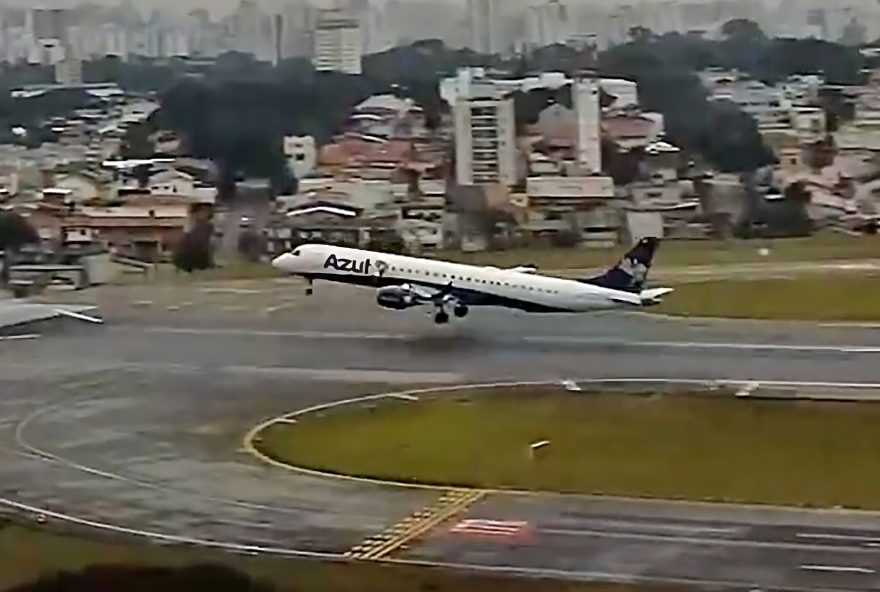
(138,425)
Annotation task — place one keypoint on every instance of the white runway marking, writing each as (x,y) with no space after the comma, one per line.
(20,337)
(403,397)
(838,569)
(230,291)
(838,537)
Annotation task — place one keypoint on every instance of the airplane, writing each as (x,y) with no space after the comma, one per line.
(403,282)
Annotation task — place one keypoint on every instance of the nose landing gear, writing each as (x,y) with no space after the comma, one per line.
(309,289)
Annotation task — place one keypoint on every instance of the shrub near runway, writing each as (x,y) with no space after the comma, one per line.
(672,446)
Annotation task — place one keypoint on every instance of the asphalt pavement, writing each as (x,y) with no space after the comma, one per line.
(137,426)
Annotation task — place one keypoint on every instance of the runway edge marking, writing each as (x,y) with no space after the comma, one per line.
(417,524)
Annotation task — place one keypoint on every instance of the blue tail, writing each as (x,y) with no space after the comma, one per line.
(630,274)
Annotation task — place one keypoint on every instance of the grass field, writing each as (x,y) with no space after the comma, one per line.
(672,446)
(26,554)
(824,247)
(841,297)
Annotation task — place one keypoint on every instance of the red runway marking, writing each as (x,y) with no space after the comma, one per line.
(491,528)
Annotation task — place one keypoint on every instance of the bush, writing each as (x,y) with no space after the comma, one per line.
(15,231)
(215,578)
(251,245)
(194,251)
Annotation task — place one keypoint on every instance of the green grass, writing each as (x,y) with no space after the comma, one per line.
(823,247)
(672,446)
(841,297)
(26,554)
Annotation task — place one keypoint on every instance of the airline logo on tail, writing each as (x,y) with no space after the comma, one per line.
(637,270)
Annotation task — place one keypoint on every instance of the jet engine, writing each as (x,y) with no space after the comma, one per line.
(396,297)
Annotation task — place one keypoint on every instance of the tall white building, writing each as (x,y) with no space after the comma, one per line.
(484,21)
(338,45)
(546,24)
(485,137)
(69,72)
(46,30)
(246,28)
(585,98)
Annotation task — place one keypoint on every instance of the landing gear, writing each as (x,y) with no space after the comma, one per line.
(441,318)
(309,289)
(461,311)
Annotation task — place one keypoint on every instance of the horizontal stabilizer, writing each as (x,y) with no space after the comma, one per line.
(653,296)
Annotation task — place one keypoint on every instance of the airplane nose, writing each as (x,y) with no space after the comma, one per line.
(281,261)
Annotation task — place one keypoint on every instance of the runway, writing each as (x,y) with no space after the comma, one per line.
(137,426)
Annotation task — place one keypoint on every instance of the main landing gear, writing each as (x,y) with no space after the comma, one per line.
(442,317)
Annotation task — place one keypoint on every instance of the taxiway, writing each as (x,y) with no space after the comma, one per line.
(136,427)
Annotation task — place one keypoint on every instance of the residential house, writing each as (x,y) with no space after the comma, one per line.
(632,129)
(147,231)
(81,186)
(9,182)
(172,181)
(330,219)
(584,206)
(424,223)
(366,156)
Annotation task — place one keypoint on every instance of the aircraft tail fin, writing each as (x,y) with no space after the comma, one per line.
(631,272)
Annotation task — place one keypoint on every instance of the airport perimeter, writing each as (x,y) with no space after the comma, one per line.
(135,427)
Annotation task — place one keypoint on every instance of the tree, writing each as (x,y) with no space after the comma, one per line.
(731,140)
(195,250)
(251,245)
(136,142)
(743,30)
(639,34)
(15,232)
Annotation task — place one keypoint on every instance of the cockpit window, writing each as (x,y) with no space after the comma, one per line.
(296,253)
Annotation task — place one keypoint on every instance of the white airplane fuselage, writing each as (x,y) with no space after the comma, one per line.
(470,285)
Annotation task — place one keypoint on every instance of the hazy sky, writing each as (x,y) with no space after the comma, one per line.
(225,6)
(215,6)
